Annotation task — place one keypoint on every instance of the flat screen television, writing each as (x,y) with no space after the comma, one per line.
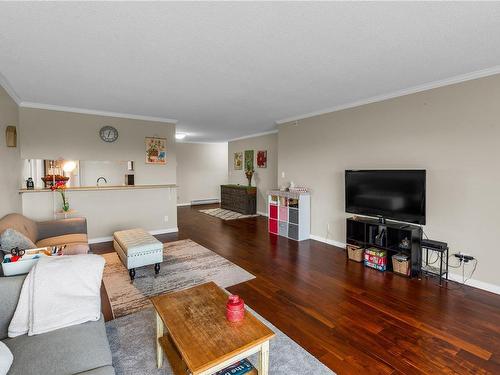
(387,194)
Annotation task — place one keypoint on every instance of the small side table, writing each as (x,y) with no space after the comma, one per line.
(442,253)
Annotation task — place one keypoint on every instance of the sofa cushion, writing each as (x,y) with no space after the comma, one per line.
(10,290)
(63,240)
(6,358)
(11,238)
(20,223)
(68,350)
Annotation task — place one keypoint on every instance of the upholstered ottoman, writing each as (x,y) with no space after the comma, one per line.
(137,248)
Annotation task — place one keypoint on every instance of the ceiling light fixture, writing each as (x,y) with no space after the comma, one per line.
(180,136)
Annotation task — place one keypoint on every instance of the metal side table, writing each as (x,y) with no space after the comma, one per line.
(428,266)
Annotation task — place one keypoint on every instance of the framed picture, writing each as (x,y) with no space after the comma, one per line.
(156,150)
(262,159)
(248,160)
(238,160)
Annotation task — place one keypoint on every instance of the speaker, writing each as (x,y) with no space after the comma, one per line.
(129,179)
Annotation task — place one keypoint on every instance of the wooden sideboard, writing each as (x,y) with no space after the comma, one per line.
(239,198)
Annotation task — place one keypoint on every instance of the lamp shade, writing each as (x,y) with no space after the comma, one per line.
(11,136)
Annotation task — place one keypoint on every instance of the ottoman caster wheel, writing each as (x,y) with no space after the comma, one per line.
(157,268)
(131,272)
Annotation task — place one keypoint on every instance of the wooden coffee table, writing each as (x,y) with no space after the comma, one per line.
(192,330)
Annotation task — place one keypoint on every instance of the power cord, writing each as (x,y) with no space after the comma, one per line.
(461,264)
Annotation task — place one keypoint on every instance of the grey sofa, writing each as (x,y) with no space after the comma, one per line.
(80,349)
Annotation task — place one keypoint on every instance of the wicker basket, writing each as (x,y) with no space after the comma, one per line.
(401,264)
(355,253)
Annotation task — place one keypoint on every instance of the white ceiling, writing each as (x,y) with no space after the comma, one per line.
(227,70)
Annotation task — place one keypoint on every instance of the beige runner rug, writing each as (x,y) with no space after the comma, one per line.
(185,264)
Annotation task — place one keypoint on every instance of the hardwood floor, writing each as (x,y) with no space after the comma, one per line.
(354,320)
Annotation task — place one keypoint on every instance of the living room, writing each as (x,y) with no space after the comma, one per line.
(257,187)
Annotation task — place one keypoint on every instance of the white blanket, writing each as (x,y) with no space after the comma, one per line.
(59,292)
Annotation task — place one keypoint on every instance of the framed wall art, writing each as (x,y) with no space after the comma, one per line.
(156,150)
(249,160)
(262,159)
(238,160)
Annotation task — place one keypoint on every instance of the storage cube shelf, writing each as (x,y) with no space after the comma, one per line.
(289,214)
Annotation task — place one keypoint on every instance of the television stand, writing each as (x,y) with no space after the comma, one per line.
(393,237)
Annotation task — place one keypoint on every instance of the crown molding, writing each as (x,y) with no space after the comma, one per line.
(203,142)
(8,88)
(254,135)
(411,90)
(85,111)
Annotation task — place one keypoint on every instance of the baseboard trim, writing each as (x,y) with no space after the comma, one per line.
(100,239)
(453,277)
(328,241)
(475,283)
(152,232)
(183,204)
(262,213)
(163,231)
(197,202)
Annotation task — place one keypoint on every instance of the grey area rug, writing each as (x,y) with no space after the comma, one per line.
(185,264)
(132,341)
(225,214)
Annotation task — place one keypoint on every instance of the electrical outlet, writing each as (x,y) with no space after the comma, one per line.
(165,219)
(282,174)
(464,257)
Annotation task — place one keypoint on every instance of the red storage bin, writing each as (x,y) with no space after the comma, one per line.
(273,211)
(273,226)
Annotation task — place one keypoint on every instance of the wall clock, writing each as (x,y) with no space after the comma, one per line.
(108,134)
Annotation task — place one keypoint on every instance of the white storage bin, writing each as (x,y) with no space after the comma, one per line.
(21,266)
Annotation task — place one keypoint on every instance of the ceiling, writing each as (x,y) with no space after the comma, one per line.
(226,70)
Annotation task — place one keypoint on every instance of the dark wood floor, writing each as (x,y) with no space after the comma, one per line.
(354,320)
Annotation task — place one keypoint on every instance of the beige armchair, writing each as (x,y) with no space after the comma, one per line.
(71,232)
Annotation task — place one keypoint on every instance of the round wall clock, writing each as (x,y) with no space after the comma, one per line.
(108,134)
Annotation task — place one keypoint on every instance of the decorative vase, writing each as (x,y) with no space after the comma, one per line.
(249,175)
(65,202)
(65,206)
(235,308)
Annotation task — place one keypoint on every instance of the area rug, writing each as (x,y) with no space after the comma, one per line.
(185,264)
(225,214)
(132,341)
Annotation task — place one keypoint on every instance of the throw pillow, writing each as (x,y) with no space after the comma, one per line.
(11,238)
(6,359)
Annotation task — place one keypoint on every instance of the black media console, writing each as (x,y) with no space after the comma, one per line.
(393,237)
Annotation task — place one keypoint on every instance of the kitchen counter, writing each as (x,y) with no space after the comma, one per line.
(104,187)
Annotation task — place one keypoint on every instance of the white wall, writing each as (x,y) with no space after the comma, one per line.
(10,162)
(201,169)
(47,134)
(264,178)
(113,171)
(453,132)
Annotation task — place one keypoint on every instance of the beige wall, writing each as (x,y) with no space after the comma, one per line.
(201,169)
(264,178)
(110,210)
(10,162)
(453,132)
(47,134)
